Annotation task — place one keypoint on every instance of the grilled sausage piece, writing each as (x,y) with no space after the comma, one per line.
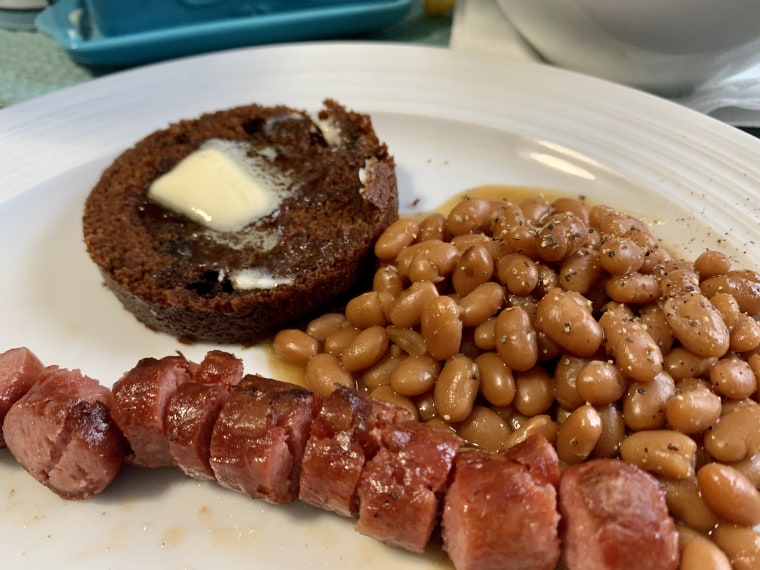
(400,487)
(19,369)
(501,509)
(62,433)
(343,437)
(615,517)
(194,408)
(258,441)
(140,399)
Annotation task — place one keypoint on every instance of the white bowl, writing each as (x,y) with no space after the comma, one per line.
(664,46)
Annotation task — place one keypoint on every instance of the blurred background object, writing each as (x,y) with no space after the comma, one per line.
(20,14)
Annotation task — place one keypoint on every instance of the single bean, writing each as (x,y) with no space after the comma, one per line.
(685,503)
(387,279)
(697,324)
(733,378)
(711,263)
(614,223)
(456,389)
(750,468)
(366,310)
(522,239)
(515,338)
(474,267)
(631,346)
(663,452)
(679,281)
(600,382)
(727,307)
(426,407)
(655,256)
(547,348)
(396,236)
(736,434)
(703,554)
(465,241)
(645,403)
(365,349)
(619,255)
(565,317)
(653,319)
(534,393)
(565,381)
(693,408)
(468,216)
(387,394)
(484,429)
(580,271)
(729,494)
(547,280)
(613,431)
(432,227)
(441,327)
(681,363)
(484,336)
(561,234)
(579,434)
(336,341)
(406,310)
(517,272)
(540,424)
(481,303)
(577,207)
(437,255)
(324,373)
(745,335)
(635,288)
(415,375)
(294,346)
(319,327)
(744,285)
(741,545)
(535,209)
(497,383)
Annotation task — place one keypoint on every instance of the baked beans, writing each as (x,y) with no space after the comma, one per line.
(502,319)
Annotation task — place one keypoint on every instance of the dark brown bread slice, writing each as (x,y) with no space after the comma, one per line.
(174,274)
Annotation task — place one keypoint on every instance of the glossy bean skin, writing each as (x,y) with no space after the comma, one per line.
(415,375)
(561,234)
(365,349)
(704,554)
(534,393)
(744,285)
(484,429)
(456,389)
(427,260)
(653,319)
(441,327)
(613,432)
(619,255)
(578,434)
(600,382)
(406,311)
(736,435)
(319,327)
(580,271)
(337,340)
(566,318)
(729,494)
(515,338)
(388,280)
(497,383)
(432,227)
(631,346)
(517,272)
(387,394)
(481,303)
(468,215)
(474,267)
(694,407)
(711,263)
(697,324)
(741,545)
(294,346)
(686,504)
(728,308)
(540,424)
(324,373)
(733,378)
(745,335)
(366,310)
(645,404)
(681,363)
(662,452)
(397,236)
(565,381)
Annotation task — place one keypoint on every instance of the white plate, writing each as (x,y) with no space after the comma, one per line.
(452,120)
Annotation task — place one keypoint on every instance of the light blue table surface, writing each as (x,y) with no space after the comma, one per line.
(32,64)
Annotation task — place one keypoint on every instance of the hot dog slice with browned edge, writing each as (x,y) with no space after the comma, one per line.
(62,433)
(615,518)
(140,399)
(343,437)
(19,369)
(501,509)
(194,408)
(258,440)
(400,487)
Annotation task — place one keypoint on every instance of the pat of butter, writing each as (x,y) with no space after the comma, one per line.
(247,279)
(220,187)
